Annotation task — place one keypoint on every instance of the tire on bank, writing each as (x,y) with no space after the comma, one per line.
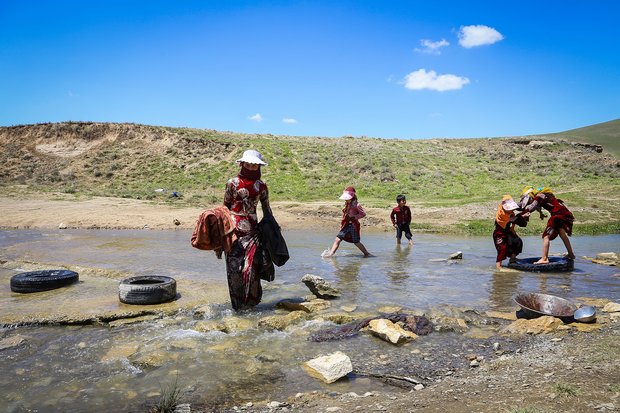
(42,280)
(147,289)
(556,264)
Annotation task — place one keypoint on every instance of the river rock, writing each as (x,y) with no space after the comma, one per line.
(209,325)
(340,318)
(319,287)
(611,307)
(390,332)
(13,341)
(133,320)
(445,323)
(540,325)
(456,256)
(280,322)
(329,368)
(310,306)
(120,351)
(504,316)
(150,360)
(235,324)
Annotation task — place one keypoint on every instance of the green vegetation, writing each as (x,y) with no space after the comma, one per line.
(564,389)
(132,161)
(169,399)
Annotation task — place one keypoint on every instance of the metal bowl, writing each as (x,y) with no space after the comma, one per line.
(585,314)
(535,305)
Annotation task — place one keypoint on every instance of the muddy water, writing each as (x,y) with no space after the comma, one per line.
(125,367)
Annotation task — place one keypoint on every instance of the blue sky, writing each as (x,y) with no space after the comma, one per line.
(392,69)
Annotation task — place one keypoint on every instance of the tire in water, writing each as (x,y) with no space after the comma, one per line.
(43,280)
(147,289)
(556,264)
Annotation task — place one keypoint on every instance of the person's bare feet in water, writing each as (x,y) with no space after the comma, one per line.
(570,256)
(542,261)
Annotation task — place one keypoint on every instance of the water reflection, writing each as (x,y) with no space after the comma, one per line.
(398,270)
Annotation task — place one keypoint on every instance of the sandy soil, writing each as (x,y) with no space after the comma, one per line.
(51,210)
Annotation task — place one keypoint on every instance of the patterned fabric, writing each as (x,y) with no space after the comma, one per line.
(506,242)
(351,214)
(561,217)
(243,265)
(349,233)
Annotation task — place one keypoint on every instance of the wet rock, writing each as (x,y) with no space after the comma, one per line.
(203,311)
(319,287)
(209,325)
(339,318)
(445,323)
(236,324)
(150,360)
(541,325)
(11,342)
(280,322)
(133,320)
(611,307)
(311,306)
(349,308)
(329,368)
(390,332)
(456,256)
(504,316)
(314,306)
(120,351)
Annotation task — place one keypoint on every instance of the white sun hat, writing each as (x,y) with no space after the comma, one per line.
(252,156)
(509,204)
(348,193)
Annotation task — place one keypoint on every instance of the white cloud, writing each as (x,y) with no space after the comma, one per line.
(431,47)
(421,79)
(256,118)
(289,120)
(478,35)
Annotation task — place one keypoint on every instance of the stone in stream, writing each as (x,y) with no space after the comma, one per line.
(390,332)
(329,368)
(319,287)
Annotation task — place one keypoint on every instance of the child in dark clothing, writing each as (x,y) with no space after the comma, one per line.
(401,218)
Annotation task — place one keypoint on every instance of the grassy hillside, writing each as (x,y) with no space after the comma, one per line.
(127,160)
(606,134)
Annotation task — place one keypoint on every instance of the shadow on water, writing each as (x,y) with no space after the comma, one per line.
(123,367)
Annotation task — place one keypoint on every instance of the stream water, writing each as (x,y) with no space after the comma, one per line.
(96,368)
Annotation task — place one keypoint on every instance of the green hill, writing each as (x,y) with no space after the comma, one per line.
(133,161)
(606,134)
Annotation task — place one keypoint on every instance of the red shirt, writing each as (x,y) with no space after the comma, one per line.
(401,215)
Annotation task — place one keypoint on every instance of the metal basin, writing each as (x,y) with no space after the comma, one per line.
(535,305)
(585,314)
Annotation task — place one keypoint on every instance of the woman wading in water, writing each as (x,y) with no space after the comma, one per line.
(242,195)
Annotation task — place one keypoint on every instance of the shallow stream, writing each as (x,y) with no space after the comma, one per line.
(125,368)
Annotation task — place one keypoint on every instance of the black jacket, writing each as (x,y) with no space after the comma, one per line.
(272,241)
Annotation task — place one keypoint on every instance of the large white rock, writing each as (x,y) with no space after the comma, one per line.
(388,331)
(329,368)
(611,307)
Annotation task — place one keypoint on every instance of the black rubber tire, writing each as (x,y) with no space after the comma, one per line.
(43,280)
(147,289)
(556,264)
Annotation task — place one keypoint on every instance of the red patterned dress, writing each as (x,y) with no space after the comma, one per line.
(561,217)
(241,197)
